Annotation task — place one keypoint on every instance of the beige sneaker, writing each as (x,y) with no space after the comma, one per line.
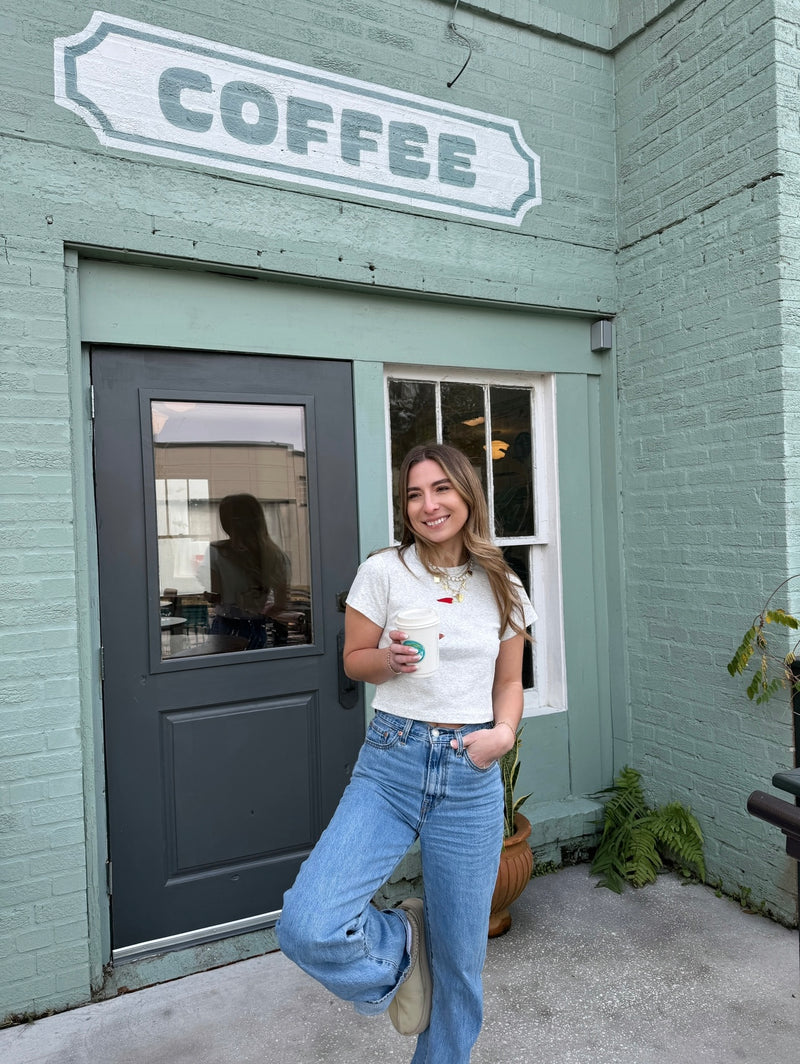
(410,1008)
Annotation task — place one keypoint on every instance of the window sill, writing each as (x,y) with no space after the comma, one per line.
(532,709)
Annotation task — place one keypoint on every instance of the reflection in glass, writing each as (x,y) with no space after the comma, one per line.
(233,531)
(249,573)
(464,423)
(518,558)
(512,462)
(412,420)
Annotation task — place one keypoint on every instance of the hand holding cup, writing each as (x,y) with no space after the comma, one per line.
(417,632)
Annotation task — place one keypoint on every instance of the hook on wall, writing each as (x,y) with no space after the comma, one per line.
(451,25)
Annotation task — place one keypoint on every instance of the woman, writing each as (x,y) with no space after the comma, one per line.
(249,572)
(428,769)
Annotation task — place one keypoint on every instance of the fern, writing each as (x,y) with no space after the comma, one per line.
(680,837)
(644,860)
(637,840)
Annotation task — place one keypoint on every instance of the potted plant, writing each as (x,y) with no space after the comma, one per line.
(516,858)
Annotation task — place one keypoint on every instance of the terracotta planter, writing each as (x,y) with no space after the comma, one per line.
(516,865)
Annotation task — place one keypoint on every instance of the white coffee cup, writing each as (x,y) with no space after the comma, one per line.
(421,627)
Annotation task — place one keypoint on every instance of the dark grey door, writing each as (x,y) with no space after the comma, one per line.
(226,528)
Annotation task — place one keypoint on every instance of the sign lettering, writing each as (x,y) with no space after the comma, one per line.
(145,89)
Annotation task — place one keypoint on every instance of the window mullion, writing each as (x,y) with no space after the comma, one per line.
(439,429)
(538,444)
(487,425)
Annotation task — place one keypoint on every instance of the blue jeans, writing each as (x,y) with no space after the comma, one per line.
(253,630)
(407,783)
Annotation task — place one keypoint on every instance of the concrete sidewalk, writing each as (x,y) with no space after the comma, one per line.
(667,975)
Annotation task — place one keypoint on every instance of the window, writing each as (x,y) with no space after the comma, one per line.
(234,556)
(506,427)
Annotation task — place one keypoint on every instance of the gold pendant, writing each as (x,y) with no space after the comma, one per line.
(459,597)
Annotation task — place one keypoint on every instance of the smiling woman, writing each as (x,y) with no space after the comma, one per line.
(436,512)
(501,427)
(428,770)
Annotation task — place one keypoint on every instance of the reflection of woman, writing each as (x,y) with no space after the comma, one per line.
(249,572)
(419,777)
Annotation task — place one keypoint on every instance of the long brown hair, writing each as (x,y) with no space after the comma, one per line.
(476,531)
(251,546)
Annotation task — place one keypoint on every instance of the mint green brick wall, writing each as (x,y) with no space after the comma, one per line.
(561,94)
(43,918)
(681,226)
(703,403)
(62,188)
(787,33)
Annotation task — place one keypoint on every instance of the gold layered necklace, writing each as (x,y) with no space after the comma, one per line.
(455,583)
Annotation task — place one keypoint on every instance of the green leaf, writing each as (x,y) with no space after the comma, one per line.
(744,652)
(679,835)
(781,617)
(509,771)
(644,861)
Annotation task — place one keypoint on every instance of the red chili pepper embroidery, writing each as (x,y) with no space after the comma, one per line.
(445,600)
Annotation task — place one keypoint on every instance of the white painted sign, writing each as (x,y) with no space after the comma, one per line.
(146,89)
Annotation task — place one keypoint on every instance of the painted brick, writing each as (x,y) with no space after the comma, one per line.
(721,516)
(54,861)
(73,931)
(25,792)
(32,891)
(61,186)
(13,871)
(17,970)
(696,427)
(34,940)
(62,958)
(65,810)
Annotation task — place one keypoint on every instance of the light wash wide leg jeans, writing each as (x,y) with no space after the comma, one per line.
(408,783)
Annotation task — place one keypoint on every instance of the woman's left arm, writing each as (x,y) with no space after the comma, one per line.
(489,744)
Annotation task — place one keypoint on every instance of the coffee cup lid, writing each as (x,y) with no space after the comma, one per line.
(417,618)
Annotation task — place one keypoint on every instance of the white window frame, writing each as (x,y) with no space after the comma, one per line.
(550,692)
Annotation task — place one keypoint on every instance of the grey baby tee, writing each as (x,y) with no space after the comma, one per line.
(461,688)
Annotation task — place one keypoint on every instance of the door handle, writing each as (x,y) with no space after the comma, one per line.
(348,689)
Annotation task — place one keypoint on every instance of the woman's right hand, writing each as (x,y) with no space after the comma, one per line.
(402,659)
(365,660)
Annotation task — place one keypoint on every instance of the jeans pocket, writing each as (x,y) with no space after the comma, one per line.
(472,764)
(381,734)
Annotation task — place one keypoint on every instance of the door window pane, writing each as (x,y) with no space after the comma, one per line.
(512,461)
(234,566)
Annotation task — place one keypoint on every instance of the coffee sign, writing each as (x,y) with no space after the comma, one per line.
(146,89)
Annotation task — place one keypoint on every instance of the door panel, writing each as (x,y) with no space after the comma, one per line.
(226,528)
(204,833)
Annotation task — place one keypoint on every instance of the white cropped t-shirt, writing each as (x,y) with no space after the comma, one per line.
(461,688)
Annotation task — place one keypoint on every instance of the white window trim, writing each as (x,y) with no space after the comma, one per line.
(550,694)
